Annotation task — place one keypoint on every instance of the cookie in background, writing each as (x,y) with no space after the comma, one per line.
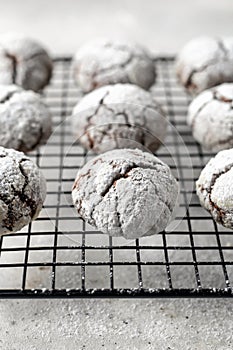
(119,116)
(210,116)
(103,61)
(215,187)
(24,62)
(205,62)
(25,121)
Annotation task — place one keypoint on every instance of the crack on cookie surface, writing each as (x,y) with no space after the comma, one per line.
(25,121)
(140,126)
(8,96)
(118,177)
(126,174)
(228,142)
(98,74)
(220,98)
(117,211)
(9,221)
(18,60)
(219,211)
(200,109)
(13,215)
(36,55)
(98,194)
(91,140)
(117,65)
(14,62)
(76,183)
(189,83)
(89,120)
(21,192)
(222,47)
(22,195)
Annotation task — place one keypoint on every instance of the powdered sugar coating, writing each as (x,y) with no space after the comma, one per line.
(126,193)
(119,116)
(210,116)
(25,121)
(22,190)
(215,187)
(24,62)
(103,62)
(205,62)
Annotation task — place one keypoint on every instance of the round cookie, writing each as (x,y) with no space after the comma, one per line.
(104,62)
(119,116)
(215,187)
(24,62)
(25,121)
(205,62)
(126,193)
(210,116)
(22,190)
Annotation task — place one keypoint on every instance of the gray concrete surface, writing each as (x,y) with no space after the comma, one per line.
(116,324)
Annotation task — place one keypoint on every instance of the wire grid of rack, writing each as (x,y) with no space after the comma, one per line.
(59,255)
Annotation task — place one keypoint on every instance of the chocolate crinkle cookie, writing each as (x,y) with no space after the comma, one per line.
(215,188)
(22,190)
(205,62)
(24,62)
(126,193)
(25,121)
(210,116)
(104,62)
(119,116)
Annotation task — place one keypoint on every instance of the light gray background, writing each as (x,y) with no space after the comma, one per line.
(116,324)
(162,25)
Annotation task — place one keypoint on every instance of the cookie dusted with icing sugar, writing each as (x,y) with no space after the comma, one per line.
(24,62)
(126,193)
(205,62)
(215,188)
(119,116)
(22,190)
(25,121)
(103,62)
(210,116)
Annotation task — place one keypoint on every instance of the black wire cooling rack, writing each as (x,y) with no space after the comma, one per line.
(60,256)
